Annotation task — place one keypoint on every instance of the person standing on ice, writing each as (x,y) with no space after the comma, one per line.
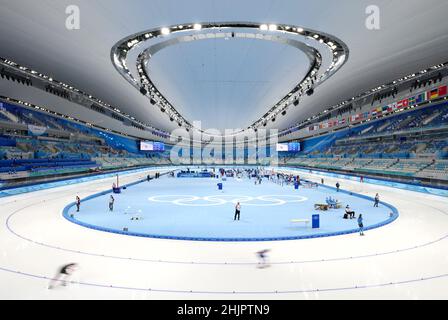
(237,211)
(78,203)
(377,200)
(111,203)
(361,225)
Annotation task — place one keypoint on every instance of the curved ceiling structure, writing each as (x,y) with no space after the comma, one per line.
(318,70)
(246,75)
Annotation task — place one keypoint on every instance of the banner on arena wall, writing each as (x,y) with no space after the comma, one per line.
(14,175)
(433,94)
(402,104)
(36,130)
(405,103)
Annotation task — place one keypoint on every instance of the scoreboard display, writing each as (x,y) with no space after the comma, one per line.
(152,146)
(289,147)
(282,147)
(294,147)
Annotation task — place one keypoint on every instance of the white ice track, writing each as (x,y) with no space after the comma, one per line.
(407,259)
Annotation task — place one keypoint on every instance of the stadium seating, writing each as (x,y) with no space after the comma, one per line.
(64,148)
(412,144)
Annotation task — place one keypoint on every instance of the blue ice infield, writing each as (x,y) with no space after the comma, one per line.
(194,209)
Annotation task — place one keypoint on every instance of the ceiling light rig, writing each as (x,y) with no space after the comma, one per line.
(77,94)
(315,43)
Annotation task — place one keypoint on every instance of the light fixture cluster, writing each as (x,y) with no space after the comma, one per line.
(156,98)
(53,113)
(315,76)
(60,87)
(145,85)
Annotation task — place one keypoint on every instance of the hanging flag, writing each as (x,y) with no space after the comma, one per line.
(405,103)
(412,101)
(443,91)
(433,94)
(421,98)
(400,104)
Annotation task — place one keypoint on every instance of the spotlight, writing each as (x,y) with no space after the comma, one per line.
(265,124)
(179,124)
(264,27)
(296,102)
(165,31)
(143,91)
(171,119)
(284,113)
(162,109)
(197,27)
(310,92)
(273,119)
(153,102)
(272,27)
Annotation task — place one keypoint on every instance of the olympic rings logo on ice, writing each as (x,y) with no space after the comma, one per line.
(219,200)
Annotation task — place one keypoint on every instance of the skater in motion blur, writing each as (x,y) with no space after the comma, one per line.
(63,275)
(262,256)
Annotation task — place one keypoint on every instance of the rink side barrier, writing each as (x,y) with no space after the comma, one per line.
(437,191)
(66,215)
(12,191)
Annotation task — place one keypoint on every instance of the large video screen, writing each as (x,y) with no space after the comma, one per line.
(152,146)
(289,147)
(282,147)
(294,147)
